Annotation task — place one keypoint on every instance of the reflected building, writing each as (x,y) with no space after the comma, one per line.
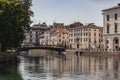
(102,68)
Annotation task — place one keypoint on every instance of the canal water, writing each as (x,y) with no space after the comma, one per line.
(70,67)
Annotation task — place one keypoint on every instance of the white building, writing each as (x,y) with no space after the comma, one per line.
(111,33)
(45,38)
(33,35)
(85,36)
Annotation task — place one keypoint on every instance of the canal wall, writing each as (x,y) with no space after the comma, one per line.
(93,53)
(103,54)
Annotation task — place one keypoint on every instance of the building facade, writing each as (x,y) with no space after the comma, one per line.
(111,33)
(55,38)
(58,26)
(45,38)
(33,35)
(85,37)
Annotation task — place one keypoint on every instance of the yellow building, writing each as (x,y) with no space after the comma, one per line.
(59,37)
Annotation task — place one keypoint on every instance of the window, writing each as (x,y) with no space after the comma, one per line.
(36,36)
(108,28)
(59,40)
(71,40)
(116,41)
(116,28)
(84,39)
(94,34)
(116,16)
(74,34)
(107,46)
(30,40)
(108,17)
(99,35)
(107,41)
(36,32)
(89,46)
(59,35)
(95,41)
(89,34)
(84,34)
(89,40)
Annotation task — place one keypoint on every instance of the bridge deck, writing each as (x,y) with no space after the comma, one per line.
(59,49)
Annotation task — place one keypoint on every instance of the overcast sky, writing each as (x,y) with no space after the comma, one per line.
(69,11)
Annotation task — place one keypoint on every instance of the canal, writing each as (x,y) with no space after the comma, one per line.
(70,67)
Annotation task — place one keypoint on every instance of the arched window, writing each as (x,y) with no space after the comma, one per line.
(108,28)
(116,27)
(116,41)
(107,41)
(115,16)
(108,17)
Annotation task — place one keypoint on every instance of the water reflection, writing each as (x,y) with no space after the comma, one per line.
(70,68)
(9,72)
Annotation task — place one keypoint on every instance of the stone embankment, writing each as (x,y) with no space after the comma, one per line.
(103,54)
(93,53)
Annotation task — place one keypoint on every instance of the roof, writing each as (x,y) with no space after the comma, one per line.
(75,24)
(114,7)
(86,26)
(43,25)
(64,31)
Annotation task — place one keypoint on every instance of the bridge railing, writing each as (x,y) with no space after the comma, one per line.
(50,47)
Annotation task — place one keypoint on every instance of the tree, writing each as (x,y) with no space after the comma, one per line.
(14,20)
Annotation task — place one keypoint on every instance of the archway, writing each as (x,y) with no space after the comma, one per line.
(116,43)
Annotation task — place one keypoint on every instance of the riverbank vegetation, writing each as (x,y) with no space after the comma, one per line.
(8,57)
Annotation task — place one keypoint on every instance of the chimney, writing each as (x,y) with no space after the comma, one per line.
(118,4)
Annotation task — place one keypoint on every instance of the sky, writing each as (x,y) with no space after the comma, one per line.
(70,11)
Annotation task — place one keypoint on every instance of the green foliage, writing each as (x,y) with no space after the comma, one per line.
(14,20)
